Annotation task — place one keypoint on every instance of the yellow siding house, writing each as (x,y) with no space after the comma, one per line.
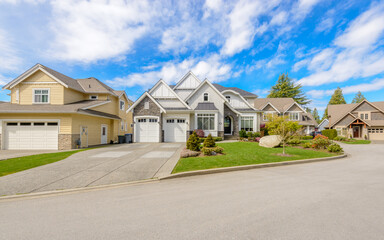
(49,110)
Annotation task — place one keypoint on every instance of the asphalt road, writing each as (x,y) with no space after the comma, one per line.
(339,199)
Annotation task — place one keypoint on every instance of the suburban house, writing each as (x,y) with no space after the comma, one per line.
(169,113)
(49,110)
(287,107)
(363,120)
(323,125)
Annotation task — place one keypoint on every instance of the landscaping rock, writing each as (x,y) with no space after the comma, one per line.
(270,141)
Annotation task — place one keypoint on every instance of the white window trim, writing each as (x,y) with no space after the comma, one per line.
(251,118)
(266,113)
(90,97)
(298,116)
(33,95)
(215,121)
(121,101)
(228,98)
(204,97)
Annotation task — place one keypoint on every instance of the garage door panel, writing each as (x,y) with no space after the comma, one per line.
(26,137)
(175,130)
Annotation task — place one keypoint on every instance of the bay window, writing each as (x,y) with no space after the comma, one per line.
(206,121)
(247,123)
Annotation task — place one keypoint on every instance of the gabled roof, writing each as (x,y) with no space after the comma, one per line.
(290,106)
(211,85)
(325,121)
(146,94)
(280,104)
(269,104)
(241,97)
(190,73)
(94,85)
(170,89)
(238,90)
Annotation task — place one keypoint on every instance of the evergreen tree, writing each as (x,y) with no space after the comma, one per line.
(359,97)
(286,88)
(337,98)
(316,116)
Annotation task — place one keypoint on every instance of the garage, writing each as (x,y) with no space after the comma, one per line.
(147,130)
(376,133)
(175,130)
(31,135)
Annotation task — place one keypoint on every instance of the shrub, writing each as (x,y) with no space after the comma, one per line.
(330,133)
(340,138)
(306,137)
(257,134)
(209,142)
(218,139)
(193,142)
(243,134)
(294,141)
(334,147)
(218,149)
(200,133)
(306,145)
(206,151)
(320,142)
(249,134)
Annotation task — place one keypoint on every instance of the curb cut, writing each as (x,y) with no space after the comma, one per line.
(75,190)
(247,167)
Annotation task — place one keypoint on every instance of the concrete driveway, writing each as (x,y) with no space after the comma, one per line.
(107,165)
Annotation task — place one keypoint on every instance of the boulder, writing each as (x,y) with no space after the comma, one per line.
(270,141)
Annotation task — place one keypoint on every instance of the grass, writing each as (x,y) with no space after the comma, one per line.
(356,141)
(245,153)
(18,164)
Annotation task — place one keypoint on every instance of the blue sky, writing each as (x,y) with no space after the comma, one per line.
(132,44)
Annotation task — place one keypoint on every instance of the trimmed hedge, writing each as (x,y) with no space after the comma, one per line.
(329,133)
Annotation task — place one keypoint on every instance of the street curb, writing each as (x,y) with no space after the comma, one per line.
(75,190)
(247,167)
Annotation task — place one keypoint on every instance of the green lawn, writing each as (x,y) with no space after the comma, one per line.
(245,153)
(14,165)
(356,141)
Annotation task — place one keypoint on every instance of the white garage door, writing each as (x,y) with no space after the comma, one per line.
(376,133)
(175,130)
(147,130)
(31,135)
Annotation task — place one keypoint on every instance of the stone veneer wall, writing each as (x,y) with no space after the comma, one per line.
(68,141)
(153,110)
(235,123)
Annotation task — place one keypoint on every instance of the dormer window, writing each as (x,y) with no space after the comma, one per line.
(206,97)
(122,105)
(93,97)
(228,98)
(40,95)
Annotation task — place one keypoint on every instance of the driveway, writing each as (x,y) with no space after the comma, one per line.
(106,165)
(339,199)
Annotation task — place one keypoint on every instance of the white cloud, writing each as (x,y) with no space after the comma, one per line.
(8,54)
(212,68)
(375,85)
(88,31)
(354,55)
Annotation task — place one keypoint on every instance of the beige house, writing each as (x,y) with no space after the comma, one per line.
(288,107)
(49,110)
(363,120)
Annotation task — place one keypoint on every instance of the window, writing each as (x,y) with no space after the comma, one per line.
(228,98)
(247,123)
(142,120)
(17,95)
(52,124)
(294,116)
(180,120)
(364,116)
(206,97)
(206,121)
(25,124)
(103,131)
(170,120)
(152,120)
(122,125)
(122,105)
(38,124)
(12,124)
(146,105)
(93,97)
(266,115)
(41,96)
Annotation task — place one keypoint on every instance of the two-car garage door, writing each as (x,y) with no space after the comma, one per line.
(376,133)
(31,135)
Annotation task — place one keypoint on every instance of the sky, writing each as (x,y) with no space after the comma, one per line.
(130,45)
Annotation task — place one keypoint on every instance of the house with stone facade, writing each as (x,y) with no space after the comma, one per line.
(49,110)
(169,113)
(363,120)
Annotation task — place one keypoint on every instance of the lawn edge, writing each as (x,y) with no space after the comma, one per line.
(247,167)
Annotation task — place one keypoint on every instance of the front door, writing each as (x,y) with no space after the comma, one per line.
(227,125)
(356,132)
(104,134)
